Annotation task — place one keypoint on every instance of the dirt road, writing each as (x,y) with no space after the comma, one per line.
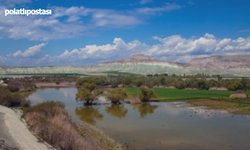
(15,133)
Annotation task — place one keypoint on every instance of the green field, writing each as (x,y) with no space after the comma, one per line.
(175,94)
(120,73)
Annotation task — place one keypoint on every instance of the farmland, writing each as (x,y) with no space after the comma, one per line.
(175,94)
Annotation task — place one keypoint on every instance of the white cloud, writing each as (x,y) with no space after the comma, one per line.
(171,48)
(190,2)
(33,51)
(154,10)
(72,22)
(145,1)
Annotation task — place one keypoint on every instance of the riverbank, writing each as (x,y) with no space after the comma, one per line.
(16,133)
(54,85)
(100,139)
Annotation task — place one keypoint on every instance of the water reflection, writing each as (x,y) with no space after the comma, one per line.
(173,125)
(89,113)
(117,110)
(144,108)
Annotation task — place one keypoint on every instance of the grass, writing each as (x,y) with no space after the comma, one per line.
(175,94)
(120,73)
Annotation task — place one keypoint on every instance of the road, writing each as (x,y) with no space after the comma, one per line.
(15,133)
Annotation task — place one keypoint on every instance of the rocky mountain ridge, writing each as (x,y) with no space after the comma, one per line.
(221,62)
(140,59)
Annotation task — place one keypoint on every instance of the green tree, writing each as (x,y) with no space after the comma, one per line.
(139,83)
(88,93)
(127,80)
(116,95)
(248,86)
(114,84)
(147,94)
(235,85)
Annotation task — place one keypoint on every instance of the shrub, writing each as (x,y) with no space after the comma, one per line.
(131,84)
(180,85)
(235,85)
(116,95)
(114,84)
(86,95)
(147,94)
(98,92)
(139,83)
(57,82)
(52,123)
(248,86)
(203,85)
(9,99)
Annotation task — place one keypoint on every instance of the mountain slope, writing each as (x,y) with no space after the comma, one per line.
(221,62)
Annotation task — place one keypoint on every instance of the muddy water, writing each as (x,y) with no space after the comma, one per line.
(158,126)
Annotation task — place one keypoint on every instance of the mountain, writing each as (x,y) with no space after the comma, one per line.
(221,62)
(142,64)
(140,59)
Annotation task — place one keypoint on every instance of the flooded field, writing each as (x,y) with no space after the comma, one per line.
(157,126)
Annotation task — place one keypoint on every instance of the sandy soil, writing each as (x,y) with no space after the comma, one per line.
(54,85)
(17,131)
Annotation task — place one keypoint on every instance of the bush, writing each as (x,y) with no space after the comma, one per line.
(114,84)
(203,85)
(139,83)
(52,123)
(57,82)
(131,85)
(248,86)
(236,85)
(180,85)
(147,94)
(116,95)
(9,99)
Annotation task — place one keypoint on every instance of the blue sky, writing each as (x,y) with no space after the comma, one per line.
(86,33)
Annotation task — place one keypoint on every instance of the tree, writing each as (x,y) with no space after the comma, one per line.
(248,86)
(89,86)
(235,85)
(98,92)
(147,94)
(139,83)
(162,80)
(203,85)
(219,77)
(127,80)
(116,95)
(114,84)
(84,94)
(88,93)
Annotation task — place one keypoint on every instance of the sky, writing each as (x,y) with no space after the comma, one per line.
(85,33)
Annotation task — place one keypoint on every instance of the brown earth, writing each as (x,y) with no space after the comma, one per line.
(54,85)
(238,95)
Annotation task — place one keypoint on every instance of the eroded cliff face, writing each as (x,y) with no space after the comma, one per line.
(221,62)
